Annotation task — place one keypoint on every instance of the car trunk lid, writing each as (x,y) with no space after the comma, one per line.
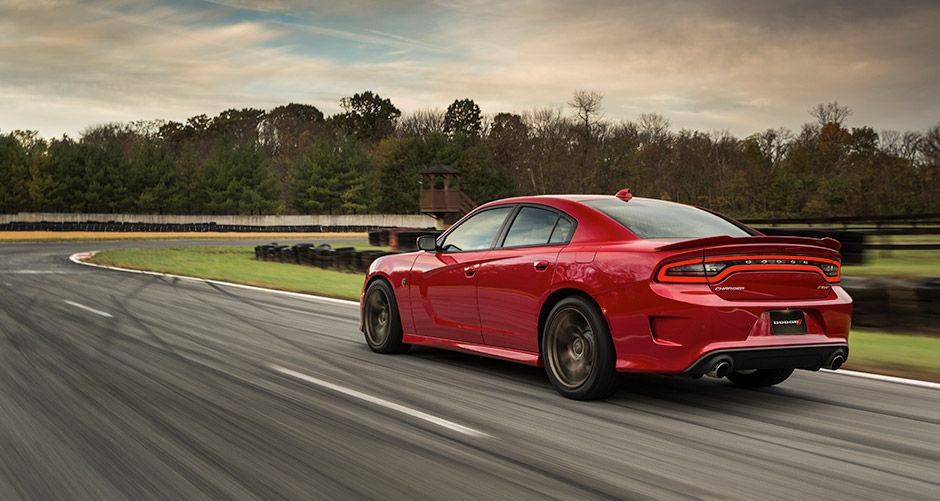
(767,268)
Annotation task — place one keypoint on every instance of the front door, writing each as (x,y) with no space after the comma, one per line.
(443,291)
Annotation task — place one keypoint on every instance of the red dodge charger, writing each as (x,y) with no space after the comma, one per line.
(589,285)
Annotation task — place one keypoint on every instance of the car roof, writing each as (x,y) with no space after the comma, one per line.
(592,224)
(547,199)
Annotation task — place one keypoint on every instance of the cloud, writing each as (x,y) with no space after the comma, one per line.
(741,66)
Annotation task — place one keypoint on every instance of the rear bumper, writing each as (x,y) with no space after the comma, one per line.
(811,357)
(677,329)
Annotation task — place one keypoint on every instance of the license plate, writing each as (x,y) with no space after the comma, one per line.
(783,322)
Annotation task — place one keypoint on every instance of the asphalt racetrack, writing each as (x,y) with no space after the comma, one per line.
(116,385)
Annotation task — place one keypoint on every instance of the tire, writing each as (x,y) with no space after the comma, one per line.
(760,377)
(381,322)
(577,351)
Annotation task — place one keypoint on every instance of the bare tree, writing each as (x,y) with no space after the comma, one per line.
(422,123)
(890,141)
(911,145)
(653,126)
(773,144)
(830,113)
(544,121)
(587,105)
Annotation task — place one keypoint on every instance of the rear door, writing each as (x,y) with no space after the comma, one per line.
(443,292)
(516,276)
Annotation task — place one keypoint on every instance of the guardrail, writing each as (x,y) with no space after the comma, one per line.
(875,221)
(856,233)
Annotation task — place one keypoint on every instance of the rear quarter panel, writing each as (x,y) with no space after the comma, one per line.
(619,279)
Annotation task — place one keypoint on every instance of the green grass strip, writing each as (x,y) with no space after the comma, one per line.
(897,263)
(236,263)
(901,354)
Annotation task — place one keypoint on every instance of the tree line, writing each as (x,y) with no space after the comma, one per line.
(367,159)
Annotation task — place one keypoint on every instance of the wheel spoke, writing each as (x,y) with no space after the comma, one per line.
(378,316)
(571,349)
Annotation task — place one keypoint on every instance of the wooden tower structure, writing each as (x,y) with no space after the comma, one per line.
(440,192)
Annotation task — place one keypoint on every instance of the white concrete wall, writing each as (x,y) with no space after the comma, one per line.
(384,220)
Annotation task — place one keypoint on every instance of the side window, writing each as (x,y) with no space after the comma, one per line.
(532,226)
(477,232)
(563,230)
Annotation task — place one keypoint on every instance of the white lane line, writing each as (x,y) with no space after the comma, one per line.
(86,308)
(450,425)
(889,379)
(77,258)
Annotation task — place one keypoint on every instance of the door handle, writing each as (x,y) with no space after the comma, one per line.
(470,270)
(540,265)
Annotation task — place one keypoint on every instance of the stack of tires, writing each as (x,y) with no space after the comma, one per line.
(895,303)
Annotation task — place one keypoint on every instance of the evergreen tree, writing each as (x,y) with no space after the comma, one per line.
(330,177)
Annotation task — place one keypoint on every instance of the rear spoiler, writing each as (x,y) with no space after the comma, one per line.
(724,240)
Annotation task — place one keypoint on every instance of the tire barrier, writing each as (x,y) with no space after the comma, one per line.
(869,301)
(407,240)
(115,226)
(853,242)
(320,256)
(894,303)
(928,298)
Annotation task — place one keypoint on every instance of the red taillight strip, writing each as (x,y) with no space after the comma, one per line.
(662,277)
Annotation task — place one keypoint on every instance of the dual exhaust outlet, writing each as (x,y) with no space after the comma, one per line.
(722,366)
(836,360)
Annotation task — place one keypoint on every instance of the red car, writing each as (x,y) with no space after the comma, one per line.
(589,285)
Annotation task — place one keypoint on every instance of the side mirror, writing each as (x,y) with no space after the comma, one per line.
(427,243)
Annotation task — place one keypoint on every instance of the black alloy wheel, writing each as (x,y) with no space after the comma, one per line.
(380,319)
(577,350)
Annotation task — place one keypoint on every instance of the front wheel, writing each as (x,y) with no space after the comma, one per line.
(760,377)
(577,350)
(380,319)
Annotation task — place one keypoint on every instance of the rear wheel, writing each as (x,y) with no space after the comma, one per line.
(380,319)
(760,377)
(577,350)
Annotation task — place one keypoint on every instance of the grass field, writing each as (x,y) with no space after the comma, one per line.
(905,355)
(236,263)
(898,263)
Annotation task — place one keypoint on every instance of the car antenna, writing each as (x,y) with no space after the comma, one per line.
(625,194)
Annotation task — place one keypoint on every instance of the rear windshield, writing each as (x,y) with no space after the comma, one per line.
(658,219)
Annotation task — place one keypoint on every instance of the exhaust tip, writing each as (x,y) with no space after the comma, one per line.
(837,360)
(720,368)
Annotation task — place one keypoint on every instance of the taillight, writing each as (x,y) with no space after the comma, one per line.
(716,268)
(690,271)
(831,270)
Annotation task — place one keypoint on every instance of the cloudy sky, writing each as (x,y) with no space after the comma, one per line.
(741,66)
